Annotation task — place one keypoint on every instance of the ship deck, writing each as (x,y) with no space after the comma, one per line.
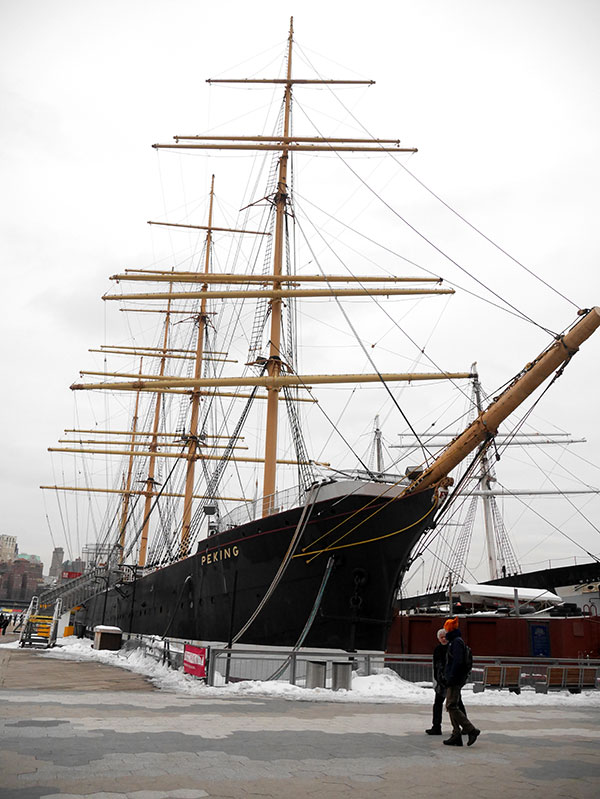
(62,735)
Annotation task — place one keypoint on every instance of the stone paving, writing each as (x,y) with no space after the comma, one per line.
(119,737)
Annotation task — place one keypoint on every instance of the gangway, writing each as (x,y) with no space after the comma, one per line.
(39,629)
(74,592)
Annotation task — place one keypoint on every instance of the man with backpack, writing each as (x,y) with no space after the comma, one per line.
(459,661)
(439,683)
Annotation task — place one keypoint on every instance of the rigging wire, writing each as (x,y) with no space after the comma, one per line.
(383,309)
(481,233)
(427,271)
(515,430)
(448,507)
(156,496)
(346,442)
(362,345)
(446,205)
(421,235)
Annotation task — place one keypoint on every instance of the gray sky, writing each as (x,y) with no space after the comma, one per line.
(500,98)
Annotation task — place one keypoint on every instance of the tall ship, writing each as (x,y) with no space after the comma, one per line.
(223,517)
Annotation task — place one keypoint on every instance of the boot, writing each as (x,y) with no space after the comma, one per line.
(436,729)
(454,740)
(473,736)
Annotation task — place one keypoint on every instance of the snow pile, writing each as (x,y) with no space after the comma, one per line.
(383,687)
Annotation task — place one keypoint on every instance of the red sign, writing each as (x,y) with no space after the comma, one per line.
(194,660)
(70,575)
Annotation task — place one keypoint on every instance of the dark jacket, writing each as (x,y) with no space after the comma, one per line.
(455,659)
(439,668)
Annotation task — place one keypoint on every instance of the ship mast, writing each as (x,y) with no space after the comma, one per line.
(274,378)
(485,485)
(127,480)
(154,445)
(273,366)
(193,432)
(276,288)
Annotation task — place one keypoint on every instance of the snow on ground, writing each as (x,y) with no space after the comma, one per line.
(383,687)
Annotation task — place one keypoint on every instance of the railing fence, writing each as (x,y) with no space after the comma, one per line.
(296,667)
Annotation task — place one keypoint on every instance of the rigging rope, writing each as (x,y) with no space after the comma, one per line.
(427,271)
(487,238)
(439,250)
(362,346)
(287,558)
(446,205)
(309,622)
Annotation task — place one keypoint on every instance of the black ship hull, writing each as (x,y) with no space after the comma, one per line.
(211,595)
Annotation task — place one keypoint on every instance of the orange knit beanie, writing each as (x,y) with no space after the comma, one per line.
(451,624)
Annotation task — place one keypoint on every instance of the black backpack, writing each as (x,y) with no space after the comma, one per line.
(468,662)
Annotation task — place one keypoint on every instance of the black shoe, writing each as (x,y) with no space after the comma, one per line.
(464,732)
(473,735)
(434,730)
(455,739)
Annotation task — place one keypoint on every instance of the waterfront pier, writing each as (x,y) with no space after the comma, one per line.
(71,729)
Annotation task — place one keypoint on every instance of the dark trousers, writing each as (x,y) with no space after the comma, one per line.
(438,705)
(458,717)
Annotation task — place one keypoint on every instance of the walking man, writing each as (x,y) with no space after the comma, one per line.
(456,675)
(439,683)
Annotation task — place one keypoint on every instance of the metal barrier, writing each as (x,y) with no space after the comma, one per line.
(341,676)
(285,665)
(316,674)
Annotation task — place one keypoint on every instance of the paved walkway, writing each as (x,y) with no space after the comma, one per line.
(82,729)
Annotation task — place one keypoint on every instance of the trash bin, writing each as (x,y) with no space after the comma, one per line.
(316,672)
(107,637)
(341,676)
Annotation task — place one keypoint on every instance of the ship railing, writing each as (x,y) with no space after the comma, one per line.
(249,511)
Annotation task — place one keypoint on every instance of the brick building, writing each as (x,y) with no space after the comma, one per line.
(21,579)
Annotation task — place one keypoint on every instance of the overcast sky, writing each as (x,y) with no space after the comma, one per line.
(501,99)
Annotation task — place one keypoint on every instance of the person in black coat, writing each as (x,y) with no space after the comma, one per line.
(455,676)
(439,683)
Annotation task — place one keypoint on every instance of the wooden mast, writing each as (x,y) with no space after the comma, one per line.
(275,287)
(127,481)
(154,446)
(273,366)
(193,432)
(286,143)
